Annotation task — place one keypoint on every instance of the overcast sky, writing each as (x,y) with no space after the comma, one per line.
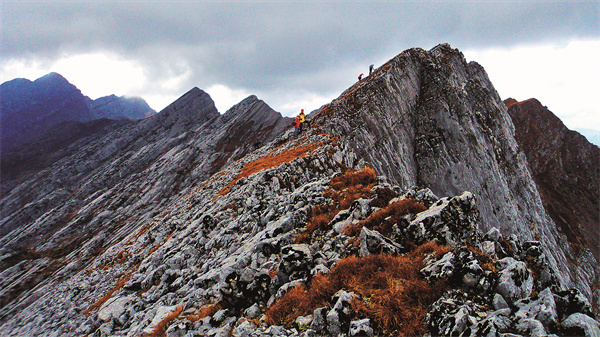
(301,54)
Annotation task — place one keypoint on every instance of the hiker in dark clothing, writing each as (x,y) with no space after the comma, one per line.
(371,69)
(302,118)
(296,125)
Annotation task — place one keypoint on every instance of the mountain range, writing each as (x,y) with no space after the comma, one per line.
(417,202)
(32,108)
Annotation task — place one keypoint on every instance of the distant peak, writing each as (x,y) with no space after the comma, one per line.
(195,91)
(244,105)
(195,102)
(52,77)
(251,98)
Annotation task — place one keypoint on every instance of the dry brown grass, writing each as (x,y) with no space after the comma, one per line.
(391,291)
(161,328)
(303,237)
(345,189)
(273,272)
(384,195)
(384,219)
(350,178)
(205,311)
(270,161)
(485,261)
(142,230)
(120,283)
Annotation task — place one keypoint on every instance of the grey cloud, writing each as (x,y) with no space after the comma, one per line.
(262,46)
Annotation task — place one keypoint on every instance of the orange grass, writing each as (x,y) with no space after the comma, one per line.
(205,311)
(142,230)
(384,219)
(269,161)
(391,291)
(363,177)
(384,195)
(103,299)
(345,189)
(162,326)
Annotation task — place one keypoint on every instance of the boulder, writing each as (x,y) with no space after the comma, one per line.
(372,242)
(515,281)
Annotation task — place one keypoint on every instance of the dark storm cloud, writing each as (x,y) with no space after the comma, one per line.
(262,46)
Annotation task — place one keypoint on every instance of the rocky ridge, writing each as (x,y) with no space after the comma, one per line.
(563,162)
(197,224)
(431,119)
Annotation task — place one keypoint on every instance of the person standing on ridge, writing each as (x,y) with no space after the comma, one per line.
(296,125)
(360,77)
(302,118)
(371,69)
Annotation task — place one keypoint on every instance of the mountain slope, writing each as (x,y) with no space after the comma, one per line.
(138,165)
(204,224)
(566,170)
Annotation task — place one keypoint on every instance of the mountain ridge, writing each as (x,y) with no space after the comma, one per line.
(201,223)
(561,160)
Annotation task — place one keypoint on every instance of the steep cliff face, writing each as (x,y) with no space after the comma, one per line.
(431,119)
(565,168)
(201,224)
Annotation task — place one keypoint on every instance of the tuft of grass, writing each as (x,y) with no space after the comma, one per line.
(205,311)
(344,190)
(485,261)
(120,283)
(391,291)
(363,177)
(384,219)
(303,237)
(142,230)
(161,328)
(384,195)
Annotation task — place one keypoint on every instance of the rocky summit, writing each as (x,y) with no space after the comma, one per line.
(408,206)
